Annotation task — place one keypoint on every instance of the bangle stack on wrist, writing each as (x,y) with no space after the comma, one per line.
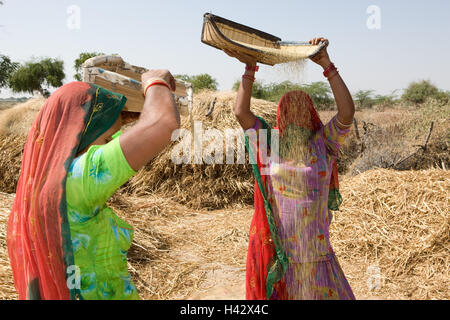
(343,125)
(248,77)
(329,71)
(251,68)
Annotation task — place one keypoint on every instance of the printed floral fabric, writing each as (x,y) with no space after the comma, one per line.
(100,239)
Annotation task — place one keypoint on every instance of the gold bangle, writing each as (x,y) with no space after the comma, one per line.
(343,125)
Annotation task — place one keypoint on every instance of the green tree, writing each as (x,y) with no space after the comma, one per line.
(183,77)
(320,93)
(385,100)
(274,91)
(259,91)
(38,76)
(419,92)
(6,68)
(364,98)
(199,82)
(79,62)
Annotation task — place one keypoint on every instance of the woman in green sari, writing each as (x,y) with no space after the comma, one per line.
(63,241)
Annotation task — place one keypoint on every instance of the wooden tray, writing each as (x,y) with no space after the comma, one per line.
(268,49)
(112,73)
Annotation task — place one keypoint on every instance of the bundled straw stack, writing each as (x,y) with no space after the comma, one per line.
(399,222)
(195,185)
(203,185)
(7,290)
(14,126)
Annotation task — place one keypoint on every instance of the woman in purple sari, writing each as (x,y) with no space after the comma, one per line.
(290,255)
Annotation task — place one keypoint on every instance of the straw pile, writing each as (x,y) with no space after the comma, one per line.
(7,290)
(175,248)
(202,185)
(400,222)
(198,186)
(395,220)
(17,121)
(14,126)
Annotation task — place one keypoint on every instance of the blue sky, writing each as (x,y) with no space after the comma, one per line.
(412,44)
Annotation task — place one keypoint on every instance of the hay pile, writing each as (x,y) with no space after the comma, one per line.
(7,290)
(14,126)
(18,120)
(203,186)
(198,186)
(175,248)
(400,222)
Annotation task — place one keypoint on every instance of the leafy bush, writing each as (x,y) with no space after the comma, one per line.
(385,100)
(319,92)
(364,99)
(420,92)
(199,82)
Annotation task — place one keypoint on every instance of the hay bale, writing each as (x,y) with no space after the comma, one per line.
(11,150)
(14,126)
(201,185)
(7,289)
(18,120)
(398,221)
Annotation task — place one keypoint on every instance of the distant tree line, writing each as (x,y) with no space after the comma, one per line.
(39,75)
(320,92)
(416,93)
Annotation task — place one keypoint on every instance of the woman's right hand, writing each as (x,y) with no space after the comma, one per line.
(160,73)
(242,57)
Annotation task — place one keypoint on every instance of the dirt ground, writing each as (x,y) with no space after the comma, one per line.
(218,276)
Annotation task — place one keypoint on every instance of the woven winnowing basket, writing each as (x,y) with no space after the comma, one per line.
(112,73)
(222,34)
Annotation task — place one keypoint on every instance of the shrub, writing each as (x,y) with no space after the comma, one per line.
(319,92)
(420,92)
(199,82)
(364,99)
(385,100)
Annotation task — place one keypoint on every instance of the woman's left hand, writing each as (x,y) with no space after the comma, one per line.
(321,58)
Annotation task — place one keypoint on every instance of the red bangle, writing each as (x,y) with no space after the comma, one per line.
(248,77)
(329,69)
(333,75)
(250,68)
(156,83)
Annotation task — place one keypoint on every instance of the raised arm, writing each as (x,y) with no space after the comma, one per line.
(159,118)
(342,96)
(244,115)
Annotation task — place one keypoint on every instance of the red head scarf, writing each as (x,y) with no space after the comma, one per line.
(38,237)
(296,107)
